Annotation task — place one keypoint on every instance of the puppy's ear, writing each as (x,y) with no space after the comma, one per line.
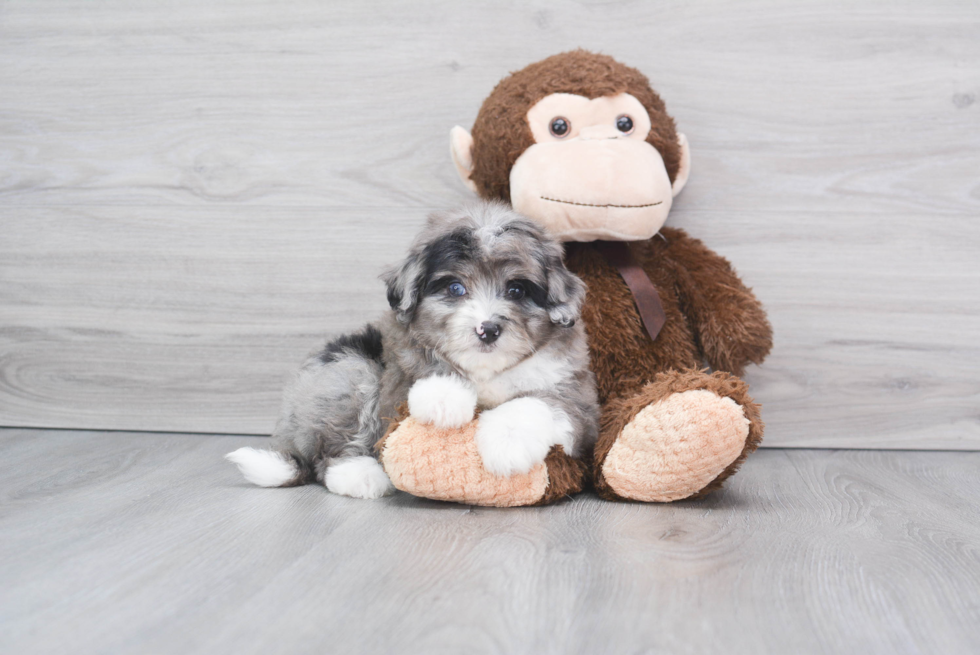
(404,286)
(566,293)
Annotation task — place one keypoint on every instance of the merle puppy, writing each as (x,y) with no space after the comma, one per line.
(483,315)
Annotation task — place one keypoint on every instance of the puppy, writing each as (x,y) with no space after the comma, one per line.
(483,315)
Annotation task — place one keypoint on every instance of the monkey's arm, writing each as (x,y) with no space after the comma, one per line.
(729,321)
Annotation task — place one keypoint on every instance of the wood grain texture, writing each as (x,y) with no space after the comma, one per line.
(180,318)
(192,194)
(117,542)
(787,107)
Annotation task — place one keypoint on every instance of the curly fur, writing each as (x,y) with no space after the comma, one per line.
(712,318)
(483,265)
(703,298)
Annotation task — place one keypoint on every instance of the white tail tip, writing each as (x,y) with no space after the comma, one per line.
(266,468)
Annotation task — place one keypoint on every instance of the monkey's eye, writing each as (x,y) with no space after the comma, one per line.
(624,124)
(559,126)
(516,291)
(456,289)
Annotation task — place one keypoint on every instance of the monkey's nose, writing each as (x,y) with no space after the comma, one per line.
(596,132)
(488,331)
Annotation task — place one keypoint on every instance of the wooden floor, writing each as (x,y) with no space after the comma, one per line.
(151,543)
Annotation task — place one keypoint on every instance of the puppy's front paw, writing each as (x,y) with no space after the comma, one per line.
(443,400)
(517,436)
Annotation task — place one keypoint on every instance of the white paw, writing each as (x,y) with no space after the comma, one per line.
(443,400)
(517,436)
(358,477)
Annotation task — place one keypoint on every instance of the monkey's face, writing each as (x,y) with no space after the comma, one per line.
(590,173)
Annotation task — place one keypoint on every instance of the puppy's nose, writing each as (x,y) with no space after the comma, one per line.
(488,331)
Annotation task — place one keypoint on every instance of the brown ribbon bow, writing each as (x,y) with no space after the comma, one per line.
(618,254)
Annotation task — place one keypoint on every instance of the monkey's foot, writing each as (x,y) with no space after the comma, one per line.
(444,464)
(681,436)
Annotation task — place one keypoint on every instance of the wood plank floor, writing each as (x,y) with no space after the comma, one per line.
(151,543)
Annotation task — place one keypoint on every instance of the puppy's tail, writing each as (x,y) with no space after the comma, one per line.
(266,468)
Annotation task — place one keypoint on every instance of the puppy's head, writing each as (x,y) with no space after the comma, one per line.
(484,287)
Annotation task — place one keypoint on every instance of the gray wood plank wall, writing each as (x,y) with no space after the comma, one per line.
(193,194)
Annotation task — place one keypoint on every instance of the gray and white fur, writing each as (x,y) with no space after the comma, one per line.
(483,315)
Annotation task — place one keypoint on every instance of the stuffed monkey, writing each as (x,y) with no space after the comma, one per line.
(582,145)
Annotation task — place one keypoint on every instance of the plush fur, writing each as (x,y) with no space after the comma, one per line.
(660,456)
(712,317)
(633,372)
(670,429)
(444,464)
(450,467)
(484,316)
(501,133)
(620,411)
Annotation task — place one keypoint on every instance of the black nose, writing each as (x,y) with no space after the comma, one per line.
(488,331)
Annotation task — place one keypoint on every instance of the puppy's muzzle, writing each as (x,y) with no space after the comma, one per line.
(488,332)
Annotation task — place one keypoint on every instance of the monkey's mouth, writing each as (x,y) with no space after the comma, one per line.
(588,204)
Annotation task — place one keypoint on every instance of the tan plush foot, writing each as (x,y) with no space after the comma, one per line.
(443,464)
(673,448)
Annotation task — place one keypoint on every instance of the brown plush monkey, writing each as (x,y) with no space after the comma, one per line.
(583,145)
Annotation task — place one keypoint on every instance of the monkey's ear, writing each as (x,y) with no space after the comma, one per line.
(566,293)
(461,148)
(404,287)
(684,171)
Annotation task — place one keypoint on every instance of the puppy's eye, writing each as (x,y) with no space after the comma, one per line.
(624,124)
(559,126)
(516,291)
(456,289)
